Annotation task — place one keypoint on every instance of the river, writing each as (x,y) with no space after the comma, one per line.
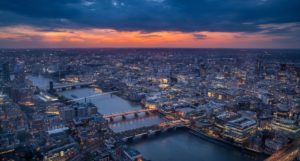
(171,146)
(39,81)
(108,104)
(183,146)
(134,123)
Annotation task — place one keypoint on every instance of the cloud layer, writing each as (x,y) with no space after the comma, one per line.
(269,17)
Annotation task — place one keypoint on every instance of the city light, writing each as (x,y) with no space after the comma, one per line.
(141,80)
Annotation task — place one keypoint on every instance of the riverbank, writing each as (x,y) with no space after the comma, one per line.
(105,103)
(111,104)
(181,145)
(224,142)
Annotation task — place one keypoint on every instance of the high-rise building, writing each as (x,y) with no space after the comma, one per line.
(51,86)
(203,70)
(68,113)
(81,111)
(5,72)
(19,73)
(240,129)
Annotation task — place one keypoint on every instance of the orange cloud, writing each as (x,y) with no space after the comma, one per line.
(112,38)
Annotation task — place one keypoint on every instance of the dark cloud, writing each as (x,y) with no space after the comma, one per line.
(199,36)
(151,15)
(41,8)
(149,36)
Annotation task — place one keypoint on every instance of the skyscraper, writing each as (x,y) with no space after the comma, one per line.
(51,88)
(5,72)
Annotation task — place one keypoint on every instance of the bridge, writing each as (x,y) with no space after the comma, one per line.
(152,130)
(91,96)
(288,153)
(124,114)
(69,86)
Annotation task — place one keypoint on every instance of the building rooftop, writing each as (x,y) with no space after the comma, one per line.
(242,122)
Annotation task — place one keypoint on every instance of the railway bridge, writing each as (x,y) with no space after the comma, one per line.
(124,114)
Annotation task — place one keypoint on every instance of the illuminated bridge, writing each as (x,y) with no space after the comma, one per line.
(152,130)
(91,96)
(124,114)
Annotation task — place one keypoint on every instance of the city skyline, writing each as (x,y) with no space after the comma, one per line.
(149,24)
(149,80)
(149,104)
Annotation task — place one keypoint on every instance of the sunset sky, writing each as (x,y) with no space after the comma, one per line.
(150,23)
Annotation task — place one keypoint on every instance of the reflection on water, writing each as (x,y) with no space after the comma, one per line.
(106,104)
(178,146)
(131,122)
(39,81)
(183,146)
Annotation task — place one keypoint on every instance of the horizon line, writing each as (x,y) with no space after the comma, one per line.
(241,48)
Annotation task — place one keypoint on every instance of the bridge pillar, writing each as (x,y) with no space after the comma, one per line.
(147,113)
(123,117)
(136,114)
(111,119)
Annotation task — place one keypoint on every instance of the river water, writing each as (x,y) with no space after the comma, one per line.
(108,104)
(39,81)
(134,123)
(172,146)
(183,146)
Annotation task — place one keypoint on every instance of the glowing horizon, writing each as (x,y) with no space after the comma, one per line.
(150,23)
(33,37)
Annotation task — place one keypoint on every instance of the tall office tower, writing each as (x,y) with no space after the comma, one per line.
(258,67)
(51,88)
(5,72)
(203,70)
(19,72)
